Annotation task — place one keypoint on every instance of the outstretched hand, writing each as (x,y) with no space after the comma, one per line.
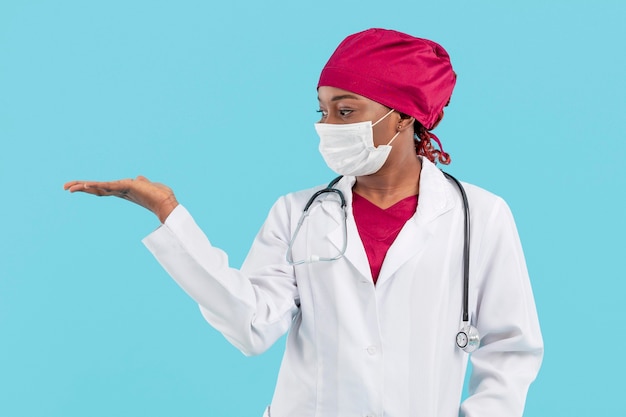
(156,197)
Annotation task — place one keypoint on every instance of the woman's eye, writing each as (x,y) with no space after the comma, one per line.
(323,113)
(344,112)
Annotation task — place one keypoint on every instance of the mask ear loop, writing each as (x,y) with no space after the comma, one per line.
(393,138)
(382,118)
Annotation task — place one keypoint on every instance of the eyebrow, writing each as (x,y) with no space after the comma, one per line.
(342,97)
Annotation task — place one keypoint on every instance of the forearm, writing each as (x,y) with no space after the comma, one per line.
(241,310)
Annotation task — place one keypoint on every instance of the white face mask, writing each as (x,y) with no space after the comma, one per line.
(348,149)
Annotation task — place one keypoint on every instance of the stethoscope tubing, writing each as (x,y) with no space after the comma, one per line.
(468,331)
(466,246)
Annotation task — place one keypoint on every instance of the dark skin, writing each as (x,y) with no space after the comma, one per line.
(399,176)
(396,180)
(156,197)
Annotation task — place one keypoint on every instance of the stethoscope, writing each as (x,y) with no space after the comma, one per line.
(468,338)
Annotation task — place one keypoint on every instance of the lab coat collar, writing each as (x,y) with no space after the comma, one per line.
(435,199)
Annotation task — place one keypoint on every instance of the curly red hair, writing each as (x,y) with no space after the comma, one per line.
(424,146)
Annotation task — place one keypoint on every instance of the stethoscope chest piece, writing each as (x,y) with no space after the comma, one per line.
(468,338)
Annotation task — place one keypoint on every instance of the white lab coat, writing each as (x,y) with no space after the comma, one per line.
(356,349)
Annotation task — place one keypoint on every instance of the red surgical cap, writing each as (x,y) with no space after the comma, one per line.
(411,75)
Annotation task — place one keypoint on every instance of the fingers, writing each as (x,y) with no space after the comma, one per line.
(69,184)
(79,185)
(101,188)
(74,186)
(89,188)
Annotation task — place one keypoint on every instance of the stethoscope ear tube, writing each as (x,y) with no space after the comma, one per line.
(316,258)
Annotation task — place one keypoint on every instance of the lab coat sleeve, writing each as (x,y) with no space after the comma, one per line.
(253,309)
(511,349)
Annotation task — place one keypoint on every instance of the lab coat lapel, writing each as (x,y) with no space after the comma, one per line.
(355,252)
(435,199)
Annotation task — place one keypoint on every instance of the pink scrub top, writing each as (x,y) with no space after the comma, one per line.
(378,227)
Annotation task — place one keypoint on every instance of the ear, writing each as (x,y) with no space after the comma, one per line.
(405,122)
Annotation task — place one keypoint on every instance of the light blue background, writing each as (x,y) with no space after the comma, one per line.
(218,101)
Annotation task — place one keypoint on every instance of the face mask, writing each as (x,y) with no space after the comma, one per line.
(348,149)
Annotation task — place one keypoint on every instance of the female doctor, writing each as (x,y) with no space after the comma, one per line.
(371,279)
